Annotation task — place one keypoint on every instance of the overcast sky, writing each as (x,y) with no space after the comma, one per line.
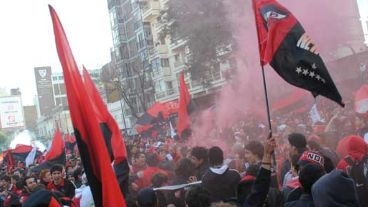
(27,41)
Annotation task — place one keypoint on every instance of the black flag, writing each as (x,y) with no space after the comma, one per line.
(284,44)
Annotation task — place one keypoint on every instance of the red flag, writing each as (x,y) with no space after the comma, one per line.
(57,148)
(70,143)
(111,132)
(116,139)
(284,44)
(184,103)
(361,100)
(270,40)
(95,157)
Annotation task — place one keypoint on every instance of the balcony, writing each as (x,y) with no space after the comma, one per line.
(179,65)
(165,94)
(161,49)
(166,71)
(151,10)
(177,44)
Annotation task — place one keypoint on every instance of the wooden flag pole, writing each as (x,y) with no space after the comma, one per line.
(267,104)
(268,111)
(264,82)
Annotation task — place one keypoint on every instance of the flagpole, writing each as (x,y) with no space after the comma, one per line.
(267,103)
(264,84)
(268,112)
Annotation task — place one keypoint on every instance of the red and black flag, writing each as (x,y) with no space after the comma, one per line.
(70,143)
(156,113)
(284,44)
(19,154)
(185,108)
(90,141)
(55,155)
(111,132)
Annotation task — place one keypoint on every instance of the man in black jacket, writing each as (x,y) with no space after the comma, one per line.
(199,157)
(220,181)
(307,177)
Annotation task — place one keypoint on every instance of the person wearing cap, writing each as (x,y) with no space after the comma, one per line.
(294,188)
(297,145)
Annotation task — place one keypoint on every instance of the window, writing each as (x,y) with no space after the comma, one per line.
(177,58)
(64,101)
(140,40)
(58,101)
(157,87)
(169,85)
(156,66)
(54,78)
(62,88)
(61,77)
(113,17)
(165,62)
(56,89)
(162,40)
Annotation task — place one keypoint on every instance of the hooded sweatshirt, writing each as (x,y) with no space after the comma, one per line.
(221,183)
(335,189)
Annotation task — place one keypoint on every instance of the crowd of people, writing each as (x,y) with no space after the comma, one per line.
(300,164)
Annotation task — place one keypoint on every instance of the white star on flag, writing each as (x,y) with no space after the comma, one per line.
(314,66)
(298,70)
(311,74)
(305,72)
(318,77)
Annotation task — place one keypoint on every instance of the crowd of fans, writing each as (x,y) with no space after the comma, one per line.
(300,164)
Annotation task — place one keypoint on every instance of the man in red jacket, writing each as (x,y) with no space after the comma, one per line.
(145,176)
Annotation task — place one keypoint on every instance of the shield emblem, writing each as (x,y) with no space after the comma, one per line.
(42,73)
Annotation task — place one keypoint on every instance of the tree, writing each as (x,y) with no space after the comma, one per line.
(206,30)
(119,86)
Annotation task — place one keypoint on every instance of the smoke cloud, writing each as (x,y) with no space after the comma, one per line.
(332,24)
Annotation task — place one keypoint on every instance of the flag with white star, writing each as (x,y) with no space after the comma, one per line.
(284,44)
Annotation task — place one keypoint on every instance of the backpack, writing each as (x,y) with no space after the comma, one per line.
(358,171)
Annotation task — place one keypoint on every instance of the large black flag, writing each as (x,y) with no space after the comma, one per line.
(284,44)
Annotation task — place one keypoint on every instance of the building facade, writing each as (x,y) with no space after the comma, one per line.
(30,117)
(45,93)
(169,58)
(132,41)
(59,115)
